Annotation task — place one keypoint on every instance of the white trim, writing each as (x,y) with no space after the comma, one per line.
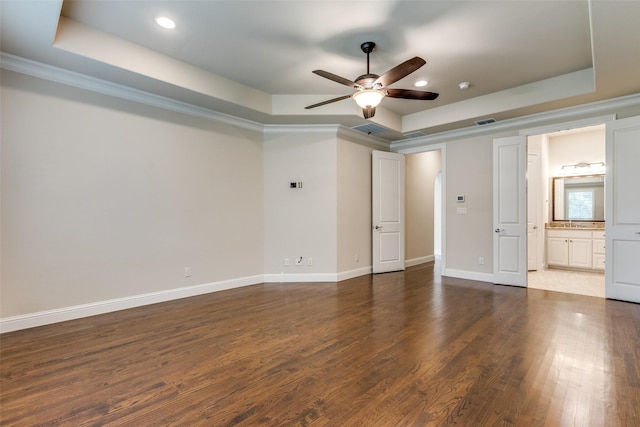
(419,260)
(560,115)
(302,278)
(470,275)
(353,135)
(556,127)
(363,271)
(322,128)
(340,131)
(406,146)
(82,81)
(47,317)
(316,277)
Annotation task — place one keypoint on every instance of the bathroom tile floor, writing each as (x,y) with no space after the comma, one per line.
(573,282)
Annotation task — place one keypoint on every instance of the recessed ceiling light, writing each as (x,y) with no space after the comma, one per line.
(420,83)
(464,85)
(165,22)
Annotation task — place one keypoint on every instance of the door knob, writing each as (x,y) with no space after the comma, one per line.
(378,227)
(499,230)
(535,227)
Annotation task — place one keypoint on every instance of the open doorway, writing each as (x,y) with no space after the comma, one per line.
(423,208)
(565,193)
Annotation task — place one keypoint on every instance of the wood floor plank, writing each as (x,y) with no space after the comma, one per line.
(400,349)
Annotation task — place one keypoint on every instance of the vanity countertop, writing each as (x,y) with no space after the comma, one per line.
(567,225)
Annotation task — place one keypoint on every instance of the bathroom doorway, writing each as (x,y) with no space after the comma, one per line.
(553,155)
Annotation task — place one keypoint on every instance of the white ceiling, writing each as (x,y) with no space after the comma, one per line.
(253,59)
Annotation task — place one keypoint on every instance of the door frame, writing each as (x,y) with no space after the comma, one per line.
(535,210)
(443,206)
(556,127)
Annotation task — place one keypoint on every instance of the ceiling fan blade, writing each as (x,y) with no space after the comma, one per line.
(335,78)
(411,94)
(400,71)
(329,101)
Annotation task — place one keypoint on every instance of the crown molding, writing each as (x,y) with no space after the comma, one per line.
(608,106)
(353,135)
(340,131)
(273,129)
(71,78)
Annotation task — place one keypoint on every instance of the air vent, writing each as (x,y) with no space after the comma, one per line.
(485,122)
(371,129)
(416,134)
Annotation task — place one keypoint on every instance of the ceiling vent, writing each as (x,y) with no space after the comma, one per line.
(416,134)
(371,129)
(485,122)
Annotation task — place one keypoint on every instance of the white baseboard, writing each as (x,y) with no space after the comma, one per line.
(300,277)
(419,260)
(47,317)
(344,275)
(316,277)
(470,275)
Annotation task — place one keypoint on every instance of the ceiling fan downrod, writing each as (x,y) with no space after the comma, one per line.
(367,47)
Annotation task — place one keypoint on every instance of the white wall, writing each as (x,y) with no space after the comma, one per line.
(354,208)
(300,222)
(329,218)
(469,172)
(572,148)
(105,199)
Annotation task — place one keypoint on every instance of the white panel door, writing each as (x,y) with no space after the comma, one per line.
(622,226)
(509,211)
(387,211)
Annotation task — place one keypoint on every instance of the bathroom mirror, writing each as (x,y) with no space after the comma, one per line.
(578,198)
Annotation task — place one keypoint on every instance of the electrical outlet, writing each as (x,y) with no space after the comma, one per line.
(299,261)
(187,272)
(309,261)
(356,258)
(481,260)
(287,262)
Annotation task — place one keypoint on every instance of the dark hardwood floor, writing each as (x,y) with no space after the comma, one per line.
(398,349)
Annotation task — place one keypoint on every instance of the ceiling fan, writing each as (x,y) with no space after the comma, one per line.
(371,88)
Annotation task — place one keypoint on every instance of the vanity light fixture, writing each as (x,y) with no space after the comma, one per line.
(165,22)
(421,83)
(583,168)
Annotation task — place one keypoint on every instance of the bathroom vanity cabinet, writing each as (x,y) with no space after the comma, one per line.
(572,248)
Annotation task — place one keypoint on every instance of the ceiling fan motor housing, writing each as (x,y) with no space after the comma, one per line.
(367,80)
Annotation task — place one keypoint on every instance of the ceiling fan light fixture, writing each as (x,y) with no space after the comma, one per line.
(368,97)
